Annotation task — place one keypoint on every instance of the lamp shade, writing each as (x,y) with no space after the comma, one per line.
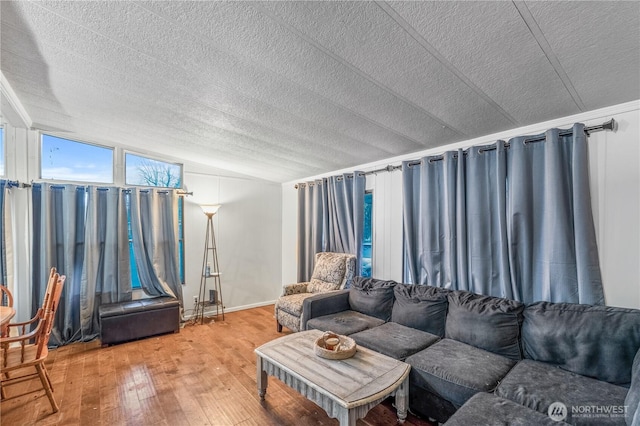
(210,209)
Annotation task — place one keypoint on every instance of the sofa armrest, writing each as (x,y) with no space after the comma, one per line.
(296,288)
(322,304)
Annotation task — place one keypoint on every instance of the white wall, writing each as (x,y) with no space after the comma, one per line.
(248,238)
(615,188)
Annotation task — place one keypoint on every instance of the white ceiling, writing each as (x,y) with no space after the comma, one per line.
(284,90)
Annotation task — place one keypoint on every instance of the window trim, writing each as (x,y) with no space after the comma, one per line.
(59,136)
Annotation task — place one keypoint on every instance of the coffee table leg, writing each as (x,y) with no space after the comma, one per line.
(261,377)
(347,417)
(402,400)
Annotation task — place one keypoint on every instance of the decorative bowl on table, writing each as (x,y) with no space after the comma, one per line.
(334,346)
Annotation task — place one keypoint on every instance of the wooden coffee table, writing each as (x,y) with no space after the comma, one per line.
(345,389)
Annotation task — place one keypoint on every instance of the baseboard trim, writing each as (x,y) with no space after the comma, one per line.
(212,313)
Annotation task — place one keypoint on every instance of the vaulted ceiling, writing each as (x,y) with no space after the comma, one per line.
(284,90)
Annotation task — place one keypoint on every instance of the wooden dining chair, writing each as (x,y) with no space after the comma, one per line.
(23,326)
(6,298)
(29,349)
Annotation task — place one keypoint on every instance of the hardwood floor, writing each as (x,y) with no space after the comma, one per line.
(204,375)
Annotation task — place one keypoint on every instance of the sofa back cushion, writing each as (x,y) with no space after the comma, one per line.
(420,306)
(594,341)
(372,297)
(489,323)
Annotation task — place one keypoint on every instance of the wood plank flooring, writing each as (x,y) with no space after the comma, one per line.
(204,375)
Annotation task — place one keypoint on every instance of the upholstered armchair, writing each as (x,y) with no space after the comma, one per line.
(332,271)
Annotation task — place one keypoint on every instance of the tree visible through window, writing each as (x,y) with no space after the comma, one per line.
(149,172)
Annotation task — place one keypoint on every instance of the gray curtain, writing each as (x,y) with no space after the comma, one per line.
(154,230)
(72,232)
(106,272)
(312,221)
(513,223)
(345,209)
(330,218)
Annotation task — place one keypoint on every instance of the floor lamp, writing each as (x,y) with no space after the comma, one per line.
(209,268)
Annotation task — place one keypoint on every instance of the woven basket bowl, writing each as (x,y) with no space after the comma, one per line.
(346,349)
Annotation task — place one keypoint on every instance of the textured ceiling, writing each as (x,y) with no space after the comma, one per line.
(284,90)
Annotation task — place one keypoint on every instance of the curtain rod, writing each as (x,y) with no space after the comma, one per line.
(608,125)
(182,192)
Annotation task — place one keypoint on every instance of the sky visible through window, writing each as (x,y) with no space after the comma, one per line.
(64,159)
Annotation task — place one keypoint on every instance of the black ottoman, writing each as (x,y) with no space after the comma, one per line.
(136,319)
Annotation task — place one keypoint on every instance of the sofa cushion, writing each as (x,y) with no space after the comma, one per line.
(456,371)
(486,322)
(345,322)
(488,409)
(420,306)
(632,401)
(394,340)
(594,341)
(588,401)
(372,297)
(329,272)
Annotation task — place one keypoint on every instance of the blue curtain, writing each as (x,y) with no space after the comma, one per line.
(80,231)
(330,218)
(154,231)
(513,223)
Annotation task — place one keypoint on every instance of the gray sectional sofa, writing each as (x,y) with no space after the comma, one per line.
(485,360)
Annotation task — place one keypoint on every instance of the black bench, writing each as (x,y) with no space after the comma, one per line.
(136,319)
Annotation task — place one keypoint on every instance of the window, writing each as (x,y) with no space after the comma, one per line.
(145,171)
(149,172)
(367,241)
(69,160)
(1,151)
(135,278)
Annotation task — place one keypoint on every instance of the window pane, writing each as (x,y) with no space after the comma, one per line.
(1,151)
(148,172)
(367,241)
(65,159)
